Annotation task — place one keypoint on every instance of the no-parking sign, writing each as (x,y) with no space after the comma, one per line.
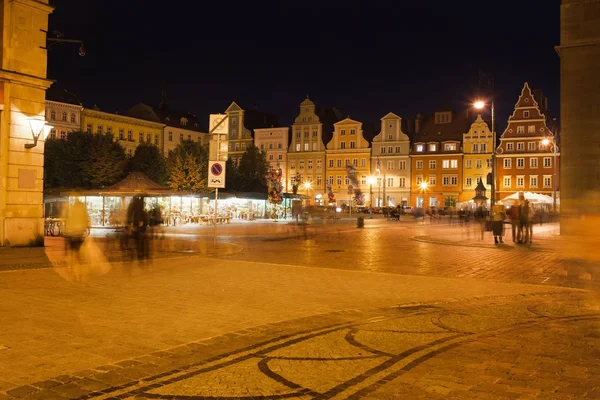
(216,174)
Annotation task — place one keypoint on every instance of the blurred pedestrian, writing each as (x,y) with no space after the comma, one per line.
(513,216)
(76,229)
(137,219)
(498,217)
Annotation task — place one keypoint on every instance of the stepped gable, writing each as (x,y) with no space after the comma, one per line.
(527,119)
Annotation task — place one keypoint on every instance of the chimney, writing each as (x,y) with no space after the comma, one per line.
(418,121)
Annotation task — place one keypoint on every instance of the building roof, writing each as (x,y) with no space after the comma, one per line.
(163,114)
(58,92)
(429,131)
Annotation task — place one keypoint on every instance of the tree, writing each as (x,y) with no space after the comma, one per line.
(232,176)
(253,169)
(83,160)
(107,162)
(187,166)
(148,159)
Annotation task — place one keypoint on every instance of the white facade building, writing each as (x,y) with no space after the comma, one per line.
(390,164)
(64,117)
(274,142)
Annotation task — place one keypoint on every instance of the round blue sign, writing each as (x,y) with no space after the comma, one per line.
(216,169)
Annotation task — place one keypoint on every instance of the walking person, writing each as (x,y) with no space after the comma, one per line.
(524,222)
(77,228)
(513,216)
(498,217)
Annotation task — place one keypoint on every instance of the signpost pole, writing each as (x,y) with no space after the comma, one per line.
(217,193)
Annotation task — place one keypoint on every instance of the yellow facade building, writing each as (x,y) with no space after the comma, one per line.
(23,87)
(477,162)
(348,147)
(128,131)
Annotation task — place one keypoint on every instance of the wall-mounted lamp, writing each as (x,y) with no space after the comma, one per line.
(38,127)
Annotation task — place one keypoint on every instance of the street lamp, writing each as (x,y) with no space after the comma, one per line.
(371,180)
(423,185)
(378,170)
(37,127)
(480,105)
(546,142)
(307,186)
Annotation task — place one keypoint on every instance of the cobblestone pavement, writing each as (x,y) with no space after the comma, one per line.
(396,310)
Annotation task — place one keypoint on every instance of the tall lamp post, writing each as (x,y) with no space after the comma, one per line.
(370,181)
(480,105)
(546,142)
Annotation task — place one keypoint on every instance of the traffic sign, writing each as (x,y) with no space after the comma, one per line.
(216,174)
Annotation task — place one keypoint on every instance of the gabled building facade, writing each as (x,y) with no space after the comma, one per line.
(477,144)
(436,158)
(306,152)
(390,164)
(241,124)
(348,147)
(274,142)
(524,163)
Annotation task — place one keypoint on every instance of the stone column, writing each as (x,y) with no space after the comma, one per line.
(23,87)
(579,52)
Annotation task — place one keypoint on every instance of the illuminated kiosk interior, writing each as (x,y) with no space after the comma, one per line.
(107,207)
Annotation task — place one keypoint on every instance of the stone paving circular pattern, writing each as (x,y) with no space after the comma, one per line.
(535,346)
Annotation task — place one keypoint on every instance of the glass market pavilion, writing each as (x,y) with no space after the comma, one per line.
(107,207)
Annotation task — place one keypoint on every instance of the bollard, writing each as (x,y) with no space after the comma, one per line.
(360,222)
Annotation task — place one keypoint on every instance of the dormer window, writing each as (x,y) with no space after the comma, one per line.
(419,148)
(443,117)
(432,147)
(183,121)
(449,146)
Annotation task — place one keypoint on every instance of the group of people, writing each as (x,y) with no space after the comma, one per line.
(521,217)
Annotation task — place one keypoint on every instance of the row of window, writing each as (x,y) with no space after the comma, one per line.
(521,146)
(309,164)
(530,129)
(307,146)
(446,164)
(389,149)
(478,163)
(64,116)
(306,134)
(533,181)
(419,148)
(189,137)
(272,157)
(271,146)
(447,180)
(533,162)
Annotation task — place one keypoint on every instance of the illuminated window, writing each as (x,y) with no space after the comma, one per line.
(432,147)
(531,129)
(306,146)
(419,148)
(449,146)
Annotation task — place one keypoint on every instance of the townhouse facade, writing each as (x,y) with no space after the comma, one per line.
(478,144)
(306,152)
(525,162)
(348,147)
(241,125)
(177,126)
(128,131)
(64,118)
(436,158)
(390,164)
(274,142)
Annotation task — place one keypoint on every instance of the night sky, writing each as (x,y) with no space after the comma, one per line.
(366,58)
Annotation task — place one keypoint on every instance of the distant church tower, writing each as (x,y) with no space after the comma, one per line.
(579,52)
(163,99)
